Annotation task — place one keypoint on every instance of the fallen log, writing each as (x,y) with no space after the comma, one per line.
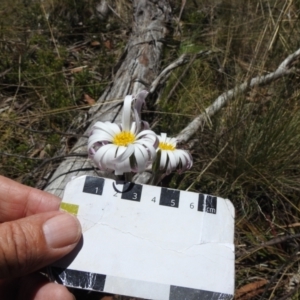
(139,67)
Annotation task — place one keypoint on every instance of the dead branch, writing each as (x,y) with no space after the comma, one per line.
(180,61)
(284,69)
(276,240)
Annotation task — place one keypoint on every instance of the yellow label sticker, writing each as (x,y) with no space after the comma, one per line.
(70,208)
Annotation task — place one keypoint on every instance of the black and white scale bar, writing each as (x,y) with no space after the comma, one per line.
(160,243)
(130,287)
(134,192)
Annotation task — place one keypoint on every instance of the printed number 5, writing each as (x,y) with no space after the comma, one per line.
(134,197)
(172,202)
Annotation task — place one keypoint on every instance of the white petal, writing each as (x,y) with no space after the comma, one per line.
(98,138)
(126,115)
(110,128)
(163,137)
(97,125)
(134,129)
(115,127)
(146,141)
(103,135)
(185,160)
(137,120)
(101,151)
(141,160)
(127,153)
(103,155)
(149,147)
(120,151)
(149,133)
(172,159)
(144,151)
(122,167)
(163,159)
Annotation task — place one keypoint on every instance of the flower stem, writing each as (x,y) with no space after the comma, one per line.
(128,177)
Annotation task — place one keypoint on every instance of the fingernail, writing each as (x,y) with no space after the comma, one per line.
(62,230)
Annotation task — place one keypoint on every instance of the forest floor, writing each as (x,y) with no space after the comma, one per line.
(57,57)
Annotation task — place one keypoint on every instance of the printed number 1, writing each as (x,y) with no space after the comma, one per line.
(96,190)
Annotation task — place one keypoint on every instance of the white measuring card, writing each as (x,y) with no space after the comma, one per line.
(149,242)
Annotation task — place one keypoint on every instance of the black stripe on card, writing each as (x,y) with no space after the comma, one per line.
(79,279)
(169,197)
(207,203)
(132,191)
(93,185)
(179,293)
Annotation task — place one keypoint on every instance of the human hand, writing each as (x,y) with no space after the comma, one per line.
(33,234)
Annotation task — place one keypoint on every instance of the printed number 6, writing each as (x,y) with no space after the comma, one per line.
(192,205)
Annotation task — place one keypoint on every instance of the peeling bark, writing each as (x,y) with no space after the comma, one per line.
(139,66)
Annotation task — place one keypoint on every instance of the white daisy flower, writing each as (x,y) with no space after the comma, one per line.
(170,158)
(123,148)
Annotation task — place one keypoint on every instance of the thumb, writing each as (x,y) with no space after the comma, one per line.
(31,243)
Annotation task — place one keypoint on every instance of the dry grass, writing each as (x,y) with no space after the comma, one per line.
(54,61)
(249,152)
(51,56)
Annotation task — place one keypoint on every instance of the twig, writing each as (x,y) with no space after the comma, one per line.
(183,3)
(182,60)
(280,239)
(117,14)
(283,70)
(272,242)
(2,74)
(179,79)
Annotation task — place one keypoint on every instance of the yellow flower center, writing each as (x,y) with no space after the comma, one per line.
(124,138)
(166,146)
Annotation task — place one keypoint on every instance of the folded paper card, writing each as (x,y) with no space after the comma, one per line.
(149,242)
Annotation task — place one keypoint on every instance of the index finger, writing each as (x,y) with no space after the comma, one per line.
(18,200)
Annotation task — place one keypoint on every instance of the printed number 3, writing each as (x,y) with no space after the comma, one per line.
(134,197)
